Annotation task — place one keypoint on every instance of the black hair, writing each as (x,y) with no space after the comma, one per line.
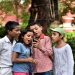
(10,25)
(38,23)
(32,24)
(23,32)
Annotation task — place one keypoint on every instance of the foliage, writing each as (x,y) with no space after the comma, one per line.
(23,25)
(70,38)
(2,32)
(10,7)
(6,6)
(64,5)
(25,17)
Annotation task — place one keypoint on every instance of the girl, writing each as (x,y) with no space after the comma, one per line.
(21,54)
(63,57)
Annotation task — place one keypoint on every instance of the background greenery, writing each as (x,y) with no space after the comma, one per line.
(8,7)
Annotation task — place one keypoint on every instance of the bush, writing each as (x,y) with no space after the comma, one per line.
(70,37)
(2,32)
(23,25)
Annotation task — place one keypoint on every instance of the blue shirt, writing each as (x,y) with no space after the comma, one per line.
(24,52)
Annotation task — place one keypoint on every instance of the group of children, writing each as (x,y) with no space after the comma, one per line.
(33,52)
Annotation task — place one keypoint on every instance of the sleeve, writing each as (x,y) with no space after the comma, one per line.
(70,60)
(47,49)
(17,48)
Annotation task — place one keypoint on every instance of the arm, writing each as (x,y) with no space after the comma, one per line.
(17,50)
(47,49)
(44,45)
(70,61)
(20,60)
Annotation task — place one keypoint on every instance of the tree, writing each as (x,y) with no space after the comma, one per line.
(56,9)
(44,12)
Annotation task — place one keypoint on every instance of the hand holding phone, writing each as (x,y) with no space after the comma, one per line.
(35,40)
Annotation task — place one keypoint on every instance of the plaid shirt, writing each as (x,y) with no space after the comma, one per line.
(44,63)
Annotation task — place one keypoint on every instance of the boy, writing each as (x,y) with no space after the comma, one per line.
(63,57)
(6,44)
(41,51)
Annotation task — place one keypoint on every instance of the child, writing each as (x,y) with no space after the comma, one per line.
(63,57)
(6,45)
(42,51)
(21,54)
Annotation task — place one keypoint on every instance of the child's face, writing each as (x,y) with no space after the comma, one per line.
(55,36)
(27,39)
(36,29)
(15,32)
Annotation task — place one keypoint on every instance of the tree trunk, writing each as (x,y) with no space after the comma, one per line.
(56,9)
(42,11)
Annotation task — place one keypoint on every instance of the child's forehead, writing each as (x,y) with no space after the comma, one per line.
(54,32)
(29,33)
(37,26)
(16,27)
(34,26)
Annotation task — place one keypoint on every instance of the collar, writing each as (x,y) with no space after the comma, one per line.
(7,40)
(42,36)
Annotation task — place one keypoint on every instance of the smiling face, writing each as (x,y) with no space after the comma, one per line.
(36,29)
(27,38)
(56,37)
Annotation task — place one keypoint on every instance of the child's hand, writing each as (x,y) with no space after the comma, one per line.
(31,60)
(37,44)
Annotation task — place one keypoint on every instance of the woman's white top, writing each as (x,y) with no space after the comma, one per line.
(63,60)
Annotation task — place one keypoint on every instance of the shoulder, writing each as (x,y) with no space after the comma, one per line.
(17,47)
(67,46)
(18,44)
(46,37)
(2,40)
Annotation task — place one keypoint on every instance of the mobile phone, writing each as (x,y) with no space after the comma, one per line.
(34,40)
